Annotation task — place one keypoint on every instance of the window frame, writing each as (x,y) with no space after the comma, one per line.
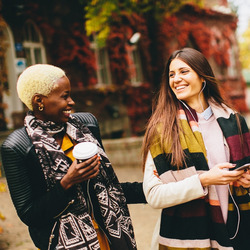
(32,45)
(136,66)
(101,66)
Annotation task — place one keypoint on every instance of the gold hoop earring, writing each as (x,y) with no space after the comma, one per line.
(40,108)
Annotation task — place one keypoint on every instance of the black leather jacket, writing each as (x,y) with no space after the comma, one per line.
(35,206)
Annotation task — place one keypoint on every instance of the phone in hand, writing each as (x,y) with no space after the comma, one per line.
(245,166)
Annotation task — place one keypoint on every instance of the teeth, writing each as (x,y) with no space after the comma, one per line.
(67,111)
(180,87)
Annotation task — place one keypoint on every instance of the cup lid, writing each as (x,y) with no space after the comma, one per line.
(84,150)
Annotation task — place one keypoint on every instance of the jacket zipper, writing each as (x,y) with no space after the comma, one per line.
(51,234)
(71,202)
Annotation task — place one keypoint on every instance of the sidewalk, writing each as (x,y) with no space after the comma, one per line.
(15,234)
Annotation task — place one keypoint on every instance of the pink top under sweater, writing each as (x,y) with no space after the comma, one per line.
(217,152)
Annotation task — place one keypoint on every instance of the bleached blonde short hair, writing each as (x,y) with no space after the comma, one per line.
(37,79)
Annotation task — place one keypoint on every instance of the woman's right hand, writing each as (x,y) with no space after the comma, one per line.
(80,172)
(219,175)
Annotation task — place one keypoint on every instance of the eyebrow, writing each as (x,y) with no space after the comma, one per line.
(181,68)
(65,92)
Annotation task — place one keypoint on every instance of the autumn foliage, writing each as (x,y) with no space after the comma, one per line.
(164,26)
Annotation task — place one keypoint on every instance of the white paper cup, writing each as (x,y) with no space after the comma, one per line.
(84,150)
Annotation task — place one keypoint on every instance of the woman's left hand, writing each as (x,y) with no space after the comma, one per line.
(244,180)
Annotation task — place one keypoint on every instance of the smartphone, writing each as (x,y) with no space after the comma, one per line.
(245,166)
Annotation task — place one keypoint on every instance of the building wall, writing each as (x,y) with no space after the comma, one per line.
(212,33)
(121,107)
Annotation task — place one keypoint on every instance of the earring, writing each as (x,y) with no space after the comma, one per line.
(40,108)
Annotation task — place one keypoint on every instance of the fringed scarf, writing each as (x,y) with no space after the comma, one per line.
(76,230)
(199,224)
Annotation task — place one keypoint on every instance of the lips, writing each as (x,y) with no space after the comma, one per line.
(67,111)
(180,87)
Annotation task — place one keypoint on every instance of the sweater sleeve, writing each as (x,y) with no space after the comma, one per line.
(133,192)
(162,195)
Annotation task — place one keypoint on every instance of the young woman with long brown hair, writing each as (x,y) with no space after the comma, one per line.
(192,141)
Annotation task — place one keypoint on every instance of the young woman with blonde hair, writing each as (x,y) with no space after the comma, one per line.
(65,203)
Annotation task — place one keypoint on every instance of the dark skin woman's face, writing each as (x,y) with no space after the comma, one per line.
(58,104)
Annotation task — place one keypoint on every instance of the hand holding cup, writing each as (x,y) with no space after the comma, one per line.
(86,165)
(84,150)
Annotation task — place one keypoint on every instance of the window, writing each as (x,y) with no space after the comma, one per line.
(33,46)
(232,68)
(135,66)
(102,61)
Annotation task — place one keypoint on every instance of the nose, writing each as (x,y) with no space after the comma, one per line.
(71,102)
(177,78)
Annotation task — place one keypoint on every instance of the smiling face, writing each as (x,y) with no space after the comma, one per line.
(186,84)
(58,104)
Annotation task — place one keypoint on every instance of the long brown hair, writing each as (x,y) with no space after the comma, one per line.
(165,109)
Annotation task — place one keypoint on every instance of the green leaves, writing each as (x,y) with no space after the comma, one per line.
(99,13)
(245,48)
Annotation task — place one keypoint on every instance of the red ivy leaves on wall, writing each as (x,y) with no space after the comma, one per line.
(199,28)
(118,55)
(122,28)
(138,99)
(136,23)
(139,107)
(75,47)
(181,31)
(236,100)
(66,43)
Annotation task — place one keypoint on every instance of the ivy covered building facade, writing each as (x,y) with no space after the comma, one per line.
(117,82)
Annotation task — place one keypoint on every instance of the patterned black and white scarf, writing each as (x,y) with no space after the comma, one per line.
(76,230)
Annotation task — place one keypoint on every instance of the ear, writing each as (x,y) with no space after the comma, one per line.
(202,79)
(37,100)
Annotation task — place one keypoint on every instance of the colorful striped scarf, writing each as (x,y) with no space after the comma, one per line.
(199,224)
